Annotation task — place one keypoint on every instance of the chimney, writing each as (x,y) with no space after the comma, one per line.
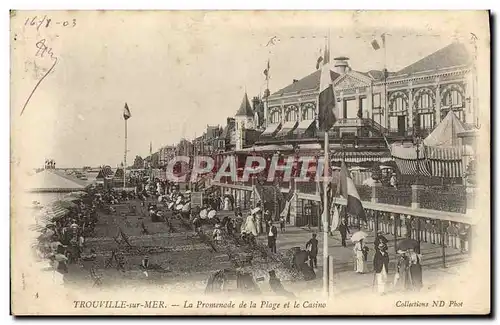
(295,80)
(341,65)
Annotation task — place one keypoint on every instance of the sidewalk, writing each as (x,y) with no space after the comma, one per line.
(346,281)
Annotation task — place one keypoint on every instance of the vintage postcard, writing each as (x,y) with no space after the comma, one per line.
(250,162)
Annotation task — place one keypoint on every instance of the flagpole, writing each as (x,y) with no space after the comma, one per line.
(125,155)
(385,79)
(325,217)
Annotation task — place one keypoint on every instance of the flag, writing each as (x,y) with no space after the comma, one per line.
(288,200)
(266,71)
(329,197)
(375,44)
(335,219)
(126,112)
(349,192)
(318,63)
(326,100)
(326,56)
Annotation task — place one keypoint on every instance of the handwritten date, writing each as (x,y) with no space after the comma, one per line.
(47,22)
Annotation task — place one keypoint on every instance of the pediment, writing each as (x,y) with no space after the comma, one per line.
(352,80)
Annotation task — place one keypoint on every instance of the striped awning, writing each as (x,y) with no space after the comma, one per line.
(409,167)
(444,153)
(361,156)
(287,128)
(446,168)
(271,129)
(304,125)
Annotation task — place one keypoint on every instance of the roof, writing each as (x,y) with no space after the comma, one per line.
(245,107)
(50,181)
(309,82)
(452,55)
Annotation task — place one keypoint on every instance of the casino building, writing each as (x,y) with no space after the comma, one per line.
(402,106)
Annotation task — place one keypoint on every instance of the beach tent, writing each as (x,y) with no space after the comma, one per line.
(443,149)
(440,154)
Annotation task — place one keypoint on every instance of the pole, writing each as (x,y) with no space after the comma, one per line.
(325,216)
(385,80)
(125,155)
(443,247)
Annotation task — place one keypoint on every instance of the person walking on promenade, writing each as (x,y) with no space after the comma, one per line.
(271,238)
(258,222)
(359,265)
(344,230)
(312,247)
(282,224)
(379,239)
(381,266)
(267,220)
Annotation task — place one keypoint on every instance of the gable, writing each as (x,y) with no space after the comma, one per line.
(352,80)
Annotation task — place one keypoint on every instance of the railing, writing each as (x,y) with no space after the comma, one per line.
(453,199)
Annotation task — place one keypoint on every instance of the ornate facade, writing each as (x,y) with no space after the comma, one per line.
(409,102)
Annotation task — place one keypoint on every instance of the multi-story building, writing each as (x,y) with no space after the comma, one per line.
(411,101)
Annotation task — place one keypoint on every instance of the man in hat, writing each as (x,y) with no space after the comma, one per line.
(271,238)
(379,239)
(343,229)
(381,266)
(312,247)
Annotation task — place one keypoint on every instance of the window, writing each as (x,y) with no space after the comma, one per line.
(453,98)
(292,114)
(363,107)
(275,117)
(459,113)
(377,117)
(376,101)
(424,101)
(308,112)
(350,109)
(426,121)
(399,104)
(393,123)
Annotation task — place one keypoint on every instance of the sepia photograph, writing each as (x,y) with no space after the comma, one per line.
(250,162)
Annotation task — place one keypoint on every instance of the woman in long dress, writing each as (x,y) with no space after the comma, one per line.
(415,270)
(358,256)
(227,204)
(402,280)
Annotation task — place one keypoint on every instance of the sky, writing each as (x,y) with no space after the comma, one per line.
(179,71)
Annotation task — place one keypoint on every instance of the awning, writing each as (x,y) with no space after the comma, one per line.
(445,161)
(271,129)
(287,128)
(304,125)
(269,147)
(361,156)
(446,168)
(409,167)
(444,153)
